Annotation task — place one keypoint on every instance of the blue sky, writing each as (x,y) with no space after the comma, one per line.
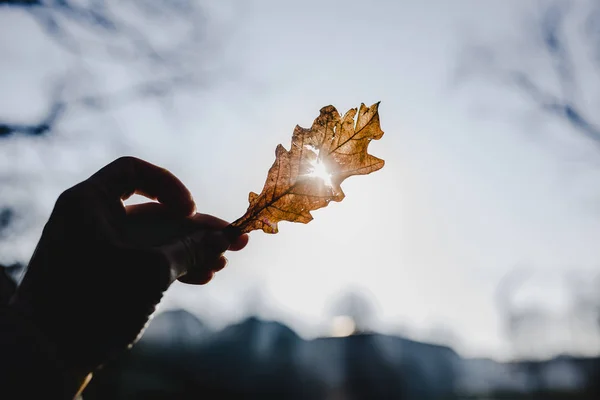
(477,182)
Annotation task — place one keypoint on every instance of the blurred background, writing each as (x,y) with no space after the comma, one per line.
(468,267)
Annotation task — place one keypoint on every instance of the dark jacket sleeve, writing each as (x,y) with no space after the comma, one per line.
(7,286)
(29,369)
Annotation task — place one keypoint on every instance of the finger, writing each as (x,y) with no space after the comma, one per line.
(197,279)
(210,221)
(128,175)
(153,224)
(220,264)
(196,253)
(213,245)
(203,276)
(152,209)
(146,209)
(239,243)
(155,219)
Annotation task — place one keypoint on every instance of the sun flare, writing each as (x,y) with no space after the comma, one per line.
(318,169)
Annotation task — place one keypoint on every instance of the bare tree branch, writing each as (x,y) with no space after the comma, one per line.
(37,129)
(552,30)
(164,69)
(19,3)
(153,88)
(563,105)
(556,107)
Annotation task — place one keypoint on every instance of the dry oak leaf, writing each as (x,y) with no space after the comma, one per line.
(308,176)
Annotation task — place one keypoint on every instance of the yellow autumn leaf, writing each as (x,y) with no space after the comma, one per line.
(308,176)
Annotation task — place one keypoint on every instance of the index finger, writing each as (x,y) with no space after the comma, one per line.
(129,175)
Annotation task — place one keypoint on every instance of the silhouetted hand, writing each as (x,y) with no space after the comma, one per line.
(100,268)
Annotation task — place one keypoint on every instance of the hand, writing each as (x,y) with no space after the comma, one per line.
(100,268)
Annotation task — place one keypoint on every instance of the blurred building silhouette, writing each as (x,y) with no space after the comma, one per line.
(179,358)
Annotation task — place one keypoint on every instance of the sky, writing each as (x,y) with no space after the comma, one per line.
(477,183)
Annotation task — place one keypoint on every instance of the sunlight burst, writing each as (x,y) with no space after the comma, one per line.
(319,170)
